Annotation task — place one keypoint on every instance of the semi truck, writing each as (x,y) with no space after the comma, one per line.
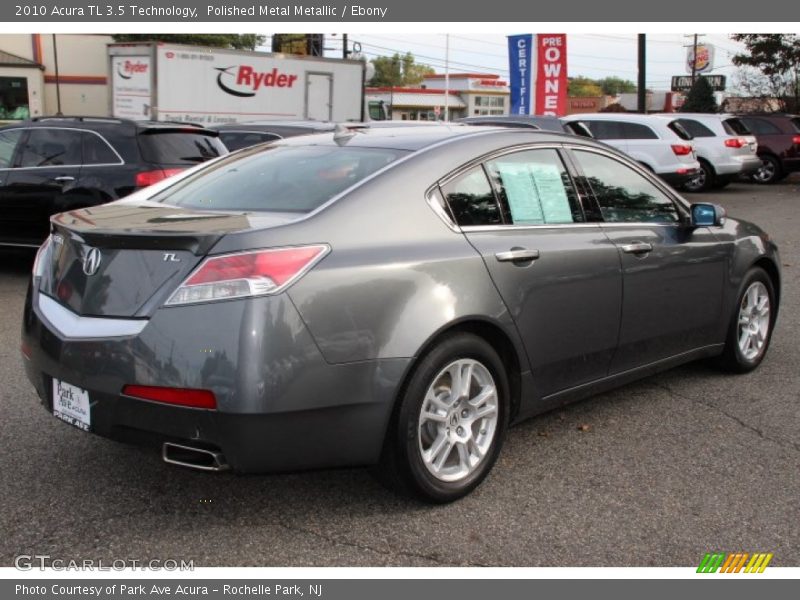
(171,82)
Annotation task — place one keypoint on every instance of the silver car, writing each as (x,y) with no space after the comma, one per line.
(388,297)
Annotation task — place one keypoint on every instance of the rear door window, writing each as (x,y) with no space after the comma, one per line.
(52,147)
(637,131)
(736,127)
(8,144)
(535,187)
(175,147)
(96,151)
(278,179)
(471,199)
(695,128)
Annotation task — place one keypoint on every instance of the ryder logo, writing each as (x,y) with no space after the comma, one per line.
(244,81)
(129,68)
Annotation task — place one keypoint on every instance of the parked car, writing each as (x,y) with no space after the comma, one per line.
(655,142)
(390,296)
(544,122)
(724,146)
(236,136)
(778,138)
(50,165)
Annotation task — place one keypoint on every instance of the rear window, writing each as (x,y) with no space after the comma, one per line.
(695,128)
(236,140)
(736,127)
(172,147)
(680,130)
(796,123)
(278,179)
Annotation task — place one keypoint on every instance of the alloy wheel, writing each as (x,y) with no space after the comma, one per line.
(754,321)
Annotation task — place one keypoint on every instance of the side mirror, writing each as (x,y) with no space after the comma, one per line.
(707,215)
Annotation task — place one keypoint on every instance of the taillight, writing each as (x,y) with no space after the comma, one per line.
(796,139)
(168,395)
(681,149)
(38,262)
(735,143)
(245,274)
(146,178)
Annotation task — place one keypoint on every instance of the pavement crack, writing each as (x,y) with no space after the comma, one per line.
(741,422)
(390,552)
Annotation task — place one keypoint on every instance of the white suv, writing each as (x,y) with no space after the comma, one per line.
(725,148)
(652,140)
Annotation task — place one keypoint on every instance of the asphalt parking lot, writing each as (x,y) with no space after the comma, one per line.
(654,474)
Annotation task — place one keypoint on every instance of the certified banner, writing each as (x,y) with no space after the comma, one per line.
(551,74)
(521,63)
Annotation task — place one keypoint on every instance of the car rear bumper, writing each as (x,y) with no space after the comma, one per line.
(737,165)
(678,178)
(280,406)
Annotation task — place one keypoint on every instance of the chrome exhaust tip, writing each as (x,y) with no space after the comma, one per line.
(193,458)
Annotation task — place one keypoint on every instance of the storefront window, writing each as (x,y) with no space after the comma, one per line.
(14,98)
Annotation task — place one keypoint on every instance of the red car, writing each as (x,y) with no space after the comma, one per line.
(778,138)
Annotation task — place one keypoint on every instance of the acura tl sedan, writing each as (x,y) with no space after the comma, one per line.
(386,297)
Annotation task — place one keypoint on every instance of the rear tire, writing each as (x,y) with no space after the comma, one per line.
(703,181)
(750,328)
(769,172)
(450,423)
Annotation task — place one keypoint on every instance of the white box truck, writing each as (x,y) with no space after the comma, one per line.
(171,82)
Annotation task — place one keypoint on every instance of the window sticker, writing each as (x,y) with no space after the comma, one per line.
(535,193)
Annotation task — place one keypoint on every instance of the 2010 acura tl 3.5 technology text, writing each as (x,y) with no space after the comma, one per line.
(390,297)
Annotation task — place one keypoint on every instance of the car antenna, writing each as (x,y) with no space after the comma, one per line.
(343,134)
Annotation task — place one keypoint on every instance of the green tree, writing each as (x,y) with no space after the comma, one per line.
(613,86)
(777,56)
(583,86)
(236,41)
(701,98)
(398,71)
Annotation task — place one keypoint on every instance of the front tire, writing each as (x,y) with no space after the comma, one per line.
(750,329)
(450,424)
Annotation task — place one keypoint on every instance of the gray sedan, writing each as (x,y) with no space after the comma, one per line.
(387,297)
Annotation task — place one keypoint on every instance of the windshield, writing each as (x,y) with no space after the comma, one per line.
(277,179)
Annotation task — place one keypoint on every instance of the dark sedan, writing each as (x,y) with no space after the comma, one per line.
(390,297)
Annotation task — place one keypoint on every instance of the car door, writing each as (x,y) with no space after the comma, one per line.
(10,141)
(49,166)
(672,274)
(558,275)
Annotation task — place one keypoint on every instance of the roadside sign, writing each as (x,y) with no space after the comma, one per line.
(683,83)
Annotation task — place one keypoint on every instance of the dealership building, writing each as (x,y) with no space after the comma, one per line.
(41,74)
(467,94)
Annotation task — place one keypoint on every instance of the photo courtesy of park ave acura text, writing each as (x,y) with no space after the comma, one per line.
(374,297)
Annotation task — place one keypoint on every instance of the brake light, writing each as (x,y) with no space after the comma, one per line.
(168,395)
(681,149)
(796,139)
(735,143)
(246,274)
(38,262)
(146,178)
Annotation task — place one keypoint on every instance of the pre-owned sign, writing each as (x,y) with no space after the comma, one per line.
(538,67)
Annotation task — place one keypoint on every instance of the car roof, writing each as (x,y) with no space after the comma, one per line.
(416,138)
(106,124)
(633,117)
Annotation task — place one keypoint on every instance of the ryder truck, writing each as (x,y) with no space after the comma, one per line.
(170,82)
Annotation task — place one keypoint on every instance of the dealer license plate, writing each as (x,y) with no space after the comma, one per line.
(71,404)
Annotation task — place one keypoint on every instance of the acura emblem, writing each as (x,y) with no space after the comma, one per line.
(91,262)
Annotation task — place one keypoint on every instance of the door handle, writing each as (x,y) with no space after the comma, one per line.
(64,178)
(517,255)
(637,248)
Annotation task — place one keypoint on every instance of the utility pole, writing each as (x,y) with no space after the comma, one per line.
(58,78)
(345,53)
(447,78)
(641,89)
